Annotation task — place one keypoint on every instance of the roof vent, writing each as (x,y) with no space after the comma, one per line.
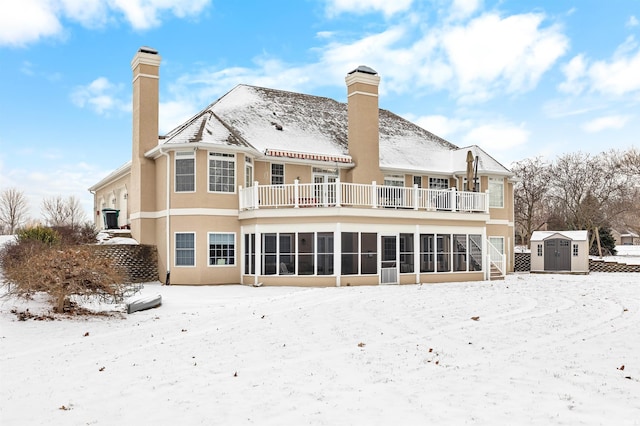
(149,50)
(364,69)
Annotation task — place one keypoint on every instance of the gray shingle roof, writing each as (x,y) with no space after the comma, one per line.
(267,119)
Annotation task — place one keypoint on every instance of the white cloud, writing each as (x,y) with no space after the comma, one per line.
(575,72)
(387,7)
(621,74)
(422,59)
(497,136)
(493,53)
(101,96)
(475,60)
(443,126)
(603,123)
(27,21)
(461,9)
(632,22)
(617,76)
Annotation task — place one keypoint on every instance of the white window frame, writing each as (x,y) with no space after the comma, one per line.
(175,249)
(394,180)
(438,183)
(225,156)
(539,250)
(235,250)
(575,250)
(417,180)
(271,175)
(248,172)
(494,183)
(183,155)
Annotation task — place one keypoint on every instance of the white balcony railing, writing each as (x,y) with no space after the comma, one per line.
(339,194)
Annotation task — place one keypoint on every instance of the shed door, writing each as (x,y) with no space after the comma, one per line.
(557,255)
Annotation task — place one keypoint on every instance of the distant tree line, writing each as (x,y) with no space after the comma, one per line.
(578,191)
(56,211)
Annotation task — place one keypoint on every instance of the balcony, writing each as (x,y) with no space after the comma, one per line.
(339,194)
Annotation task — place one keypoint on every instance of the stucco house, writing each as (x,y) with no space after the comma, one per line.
(271,187)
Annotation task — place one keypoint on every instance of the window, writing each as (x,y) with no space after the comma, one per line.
(406,253)
(438,183)
(427,253)
(250,253)
(459,252)
(368,253)
(394,180)
(575,249)
(359,253)
(222,172)
(325,253)
(185,249)
(350,253)
(306,253)
(443,253)
(277,174)
(496,192)
(269,254)
(185,171)
(287,254)
(248,172)
(417,180)
(222,249)
(475,252)
(539,249)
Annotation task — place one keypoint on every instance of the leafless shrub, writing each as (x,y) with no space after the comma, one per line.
(62,271)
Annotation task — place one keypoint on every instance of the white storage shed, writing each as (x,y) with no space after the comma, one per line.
(560,252)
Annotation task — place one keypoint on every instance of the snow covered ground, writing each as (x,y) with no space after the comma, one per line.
(544,349)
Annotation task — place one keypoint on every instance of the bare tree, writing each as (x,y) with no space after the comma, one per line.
(75,214)
(589,191)
(58,211)
(630,162)
(54,211)
(13,209)
(530,195)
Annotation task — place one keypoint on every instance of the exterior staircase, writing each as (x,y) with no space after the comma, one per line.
(495,273)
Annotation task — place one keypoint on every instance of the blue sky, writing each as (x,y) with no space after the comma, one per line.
(520,79)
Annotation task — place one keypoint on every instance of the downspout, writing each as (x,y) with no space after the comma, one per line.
(95,205)
(167,217)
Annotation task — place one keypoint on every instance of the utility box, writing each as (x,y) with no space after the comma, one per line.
(110,218)
(560,252)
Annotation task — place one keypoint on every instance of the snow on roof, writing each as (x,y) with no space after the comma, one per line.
(572,235)
(269,120)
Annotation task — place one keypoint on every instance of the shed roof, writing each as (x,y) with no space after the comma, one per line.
(571,235)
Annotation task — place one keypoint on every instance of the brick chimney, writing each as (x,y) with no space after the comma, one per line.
(146,72)
(363,125)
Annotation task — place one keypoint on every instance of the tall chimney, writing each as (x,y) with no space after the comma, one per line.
(363,125)
(146,73)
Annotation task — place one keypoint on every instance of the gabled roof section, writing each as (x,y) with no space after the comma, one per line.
(285,121)
(113,176)
(205,127)
(571,235)
(314,127)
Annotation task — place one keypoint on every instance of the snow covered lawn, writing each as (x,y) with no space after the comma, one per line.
(544,349)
